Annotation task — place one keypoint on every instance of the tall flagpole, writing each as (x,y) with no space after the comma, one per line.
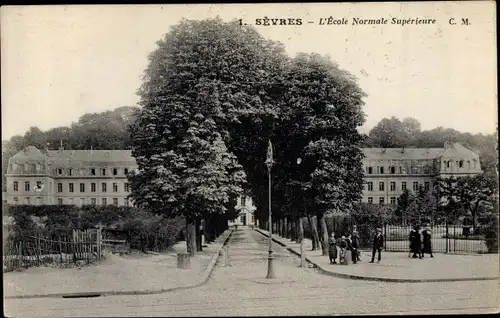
(269,163)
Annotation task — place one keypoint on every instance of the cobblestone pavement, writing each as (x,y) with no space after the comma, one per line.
(241,290)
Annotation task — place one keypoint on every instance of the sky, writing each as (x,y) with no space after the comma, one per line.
(60,62)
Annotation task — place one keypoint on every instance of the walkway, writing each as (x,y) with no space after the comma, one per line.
(137,273)
(398,267)
(242,290)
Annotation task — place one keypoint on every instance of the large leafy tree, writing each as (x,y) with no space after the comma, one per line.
(204,81)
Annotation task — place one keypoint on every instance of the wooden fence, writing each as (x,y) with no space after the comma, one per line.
(83,246)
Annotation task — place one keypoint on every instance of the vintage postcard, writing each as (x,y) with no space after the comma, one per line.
(250,159)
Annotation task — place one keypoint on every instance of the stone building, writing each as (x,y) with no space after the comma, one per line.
(76,177)
(389,171)
(246,210)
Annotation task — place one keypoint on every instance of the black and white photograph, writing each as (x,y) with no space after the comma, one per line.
(266,159)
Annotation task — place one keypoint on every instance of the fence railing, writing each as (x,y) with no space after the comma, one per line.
(34,251)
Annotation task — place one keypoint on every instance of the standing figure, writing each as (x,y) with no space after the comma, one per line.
(332,249)
(353,247)
(343,248)
(415,242)
(378,243)
(355,242)
(427,235)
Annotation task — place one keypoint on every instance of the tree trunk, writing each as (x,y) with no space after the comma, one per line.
(191,238)
(314,230)
(474,212)
(287,233)
(301,238)
(296,231)
(324,235)
(199,248)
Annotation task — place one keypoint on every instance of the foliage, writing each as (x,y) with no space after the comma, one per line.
(144,230)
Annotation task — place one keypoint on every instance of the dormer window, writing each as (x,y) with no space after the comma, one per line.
(70,172)
(125,171)
(115,171)
(448,164)
(370,170)
(103,172)
(59,171)
(393,170)
(92,171)
(461,164)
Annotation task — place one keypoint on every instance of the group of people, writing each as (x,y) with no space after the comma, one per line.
(351,243)
(420,242)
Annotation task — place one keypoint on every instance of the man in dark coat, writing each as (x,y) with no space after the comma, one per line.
(426,233)
(415,242)
(332,249)
(353,247)
(378,243)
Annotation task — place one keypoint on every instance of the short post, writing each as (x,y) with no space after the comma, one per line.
(226,255)
(183,260)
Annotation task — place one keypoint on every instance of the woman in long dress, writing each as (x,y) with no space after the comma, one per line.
(427,236)
(332,249)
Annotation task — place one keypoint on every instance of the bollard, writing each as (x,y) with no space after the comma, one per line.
(226,255)
(183,260)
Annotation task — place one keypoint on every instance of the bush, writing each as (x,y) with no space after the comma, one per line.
(491,233)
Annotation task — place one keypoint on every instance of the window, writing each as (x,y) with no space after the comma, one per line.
(115,201)
(39,184)
(125,201)
(381,200)
(70,201)
(82,187)
(403,186)
(427,186)
(26,186)
(16,200)
(59,187)
(93,201)
(92,187)
(103,172)
(415,186)
(27,201)
(59,171)
(82,201)
(448,164)
(381,170)
(253,219)
(370,186)
(39,201)
(243,201)
(104,201)
(393,170)
(370,200)
(381,186)
(126,187)
(115,171)
(92,171)
(60,201)
(242,219)
(393,186)
(461,164)
(16,186)
(125,171)
(103,187)
(370,170)
(400,170)
(71,187)
(115,187)
(70,172)
(393,200)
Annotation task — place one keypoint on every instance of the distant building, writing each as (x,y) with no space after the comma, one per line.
(99,177)
(78,177)
(389,171)
(246,210)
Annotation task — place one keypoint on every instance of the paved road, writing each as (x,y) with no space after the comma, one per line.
(242,290)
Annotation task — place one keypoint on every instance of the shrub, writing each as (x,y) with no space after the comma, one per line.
(491,233)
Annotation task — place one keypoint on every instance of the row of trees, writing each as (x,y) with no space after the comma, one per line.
(214,94)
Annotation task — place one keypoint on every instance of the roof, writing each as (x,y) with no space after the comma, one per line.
(451,150)
(32,152)
(402,154)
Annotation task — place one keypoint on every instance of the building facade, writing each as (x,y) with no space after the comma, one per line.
(99,177)
(246,210)
(389,171)
(79,177)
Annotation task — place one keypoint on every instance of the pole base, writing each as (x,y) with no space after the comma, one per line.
(270,268)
